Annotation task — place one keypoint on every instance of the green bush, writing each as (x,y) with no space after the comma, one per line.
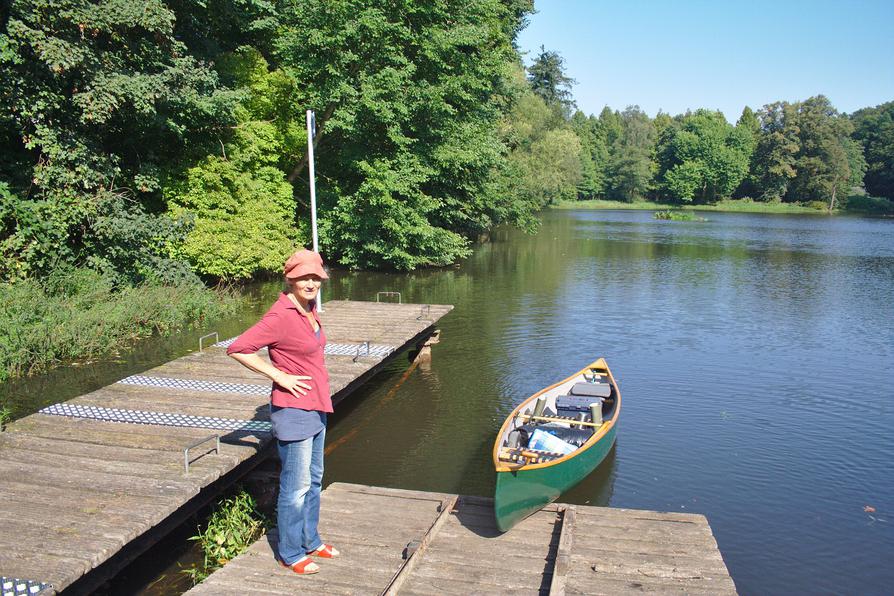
(81,314)
(867,204)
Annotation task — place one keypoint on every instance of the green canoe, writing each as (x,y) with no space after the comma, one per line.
(552,440)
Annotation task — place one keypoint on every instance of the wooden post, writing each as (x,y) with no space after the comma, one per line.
(563,553)
(423,358)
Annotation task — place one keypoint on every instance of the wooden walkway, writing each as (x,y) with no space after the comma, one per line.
(81,498)
(409,542)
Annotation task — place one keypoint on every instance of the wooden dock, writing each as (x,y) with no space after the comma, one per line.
(409,542)
(82,496)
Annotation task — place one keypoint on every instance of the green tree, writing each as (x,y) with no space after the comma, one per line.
(630,166)
(749,126)
(408,101)
(702,157)
(548,80)
(874,128)
(545,160)
(593,155)
(773,161)
(829,161)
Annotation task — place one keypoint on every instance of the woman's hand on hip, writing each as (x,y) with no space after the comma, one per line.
(294,384)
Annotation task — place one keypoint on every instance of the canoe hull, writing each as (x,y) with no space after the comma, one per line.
(520,493)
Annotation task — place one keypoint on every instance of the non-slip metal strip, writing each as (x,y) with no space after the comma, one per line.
(196,385)
(378,351)
(11,586)
(156,418)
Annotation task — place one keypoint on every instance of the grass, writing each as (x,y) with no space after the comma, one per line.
(234,525)
(678,216)
(729,205)
(79,316)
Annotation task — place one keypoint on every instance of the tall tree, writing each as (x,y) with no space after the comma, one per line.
(593,155)
(630,168)
(828,162)
(548,80)
(702,157)
(773,162)
(545,155)
(874,128)
(408,98)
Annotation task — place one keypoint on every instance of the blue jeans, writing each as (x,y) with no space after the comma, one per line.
(298,506)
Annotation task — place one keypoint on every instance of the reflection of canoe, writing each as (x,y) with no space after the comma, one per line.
(551,441)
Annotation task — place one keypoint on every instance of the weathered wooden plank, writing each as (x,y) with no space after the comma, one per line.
(460,559)
(563,552)
(623,585)
(412,561)
(58,570)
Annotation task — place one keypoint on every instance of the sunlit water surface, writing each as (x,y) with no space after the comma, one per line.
(755,356)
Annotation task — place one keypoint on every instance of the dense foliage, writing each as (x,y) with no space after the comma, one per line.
(875,130)
(804,152)
(156,141)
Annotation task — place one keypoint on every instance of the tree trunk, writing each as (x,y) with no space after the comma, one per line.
(832,200)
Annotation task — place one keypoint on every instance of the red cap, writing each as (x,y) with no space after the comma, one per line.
(305,262)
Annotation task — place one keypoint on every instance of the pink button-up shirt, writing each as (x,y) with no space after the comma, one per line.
(295,349)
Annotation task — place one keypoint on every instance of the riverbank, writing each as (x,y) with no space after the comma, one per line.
(856,205)
(81,315)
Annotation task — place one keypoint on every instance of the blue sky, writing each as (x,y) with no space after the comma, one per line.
(724,55)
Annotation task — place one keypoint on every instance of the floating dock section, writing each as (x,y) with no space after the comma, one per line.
(88,485)
(409,542)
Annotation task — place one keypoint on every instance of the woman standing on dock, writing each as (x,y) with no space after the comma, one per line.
(299,403)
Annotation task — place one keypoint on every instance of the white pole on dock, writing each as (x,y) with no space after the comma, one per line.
(311,133)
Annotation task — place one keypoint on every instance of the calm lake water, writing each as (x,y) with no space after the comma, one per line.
(755,356)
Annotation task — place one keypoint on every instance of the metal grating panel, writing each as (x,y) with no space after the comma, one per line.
(225,343)
(195,385)
(157,418)
(378,351)
(358,349)
(21,587)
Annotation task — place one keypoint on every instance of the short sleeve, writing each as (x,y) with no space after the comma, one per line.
(262,334)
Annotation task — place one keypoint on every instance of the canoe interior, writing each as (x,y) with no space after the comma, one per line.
(564,414)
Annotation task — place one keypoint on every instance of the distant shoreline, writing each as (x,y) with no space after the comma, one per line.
(865,205)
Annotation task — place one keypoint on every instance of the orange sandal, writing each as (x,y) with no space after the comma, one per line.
(327,551)
(303,566)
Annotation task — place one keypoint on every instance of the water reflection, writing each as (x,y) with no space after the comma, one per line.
(755,355)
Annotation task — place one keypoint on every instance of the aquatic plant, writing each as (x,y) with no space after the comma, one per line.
(233,526)
(678,216)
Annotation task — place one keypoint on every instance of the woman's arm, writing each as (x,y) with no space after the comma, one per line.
(291,383)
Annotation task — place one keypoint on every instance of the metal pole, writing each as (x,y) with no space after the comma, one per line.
(311,124)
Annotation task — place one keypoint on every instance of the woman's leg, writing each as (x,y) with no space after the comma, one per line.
(312,540)
(294,484)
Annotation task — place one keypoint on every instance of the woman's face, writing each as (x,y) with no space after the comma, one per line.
(306,287)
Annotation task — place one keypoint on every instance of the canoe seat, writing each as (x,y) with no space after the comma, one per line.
(575,403)
(591,389)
